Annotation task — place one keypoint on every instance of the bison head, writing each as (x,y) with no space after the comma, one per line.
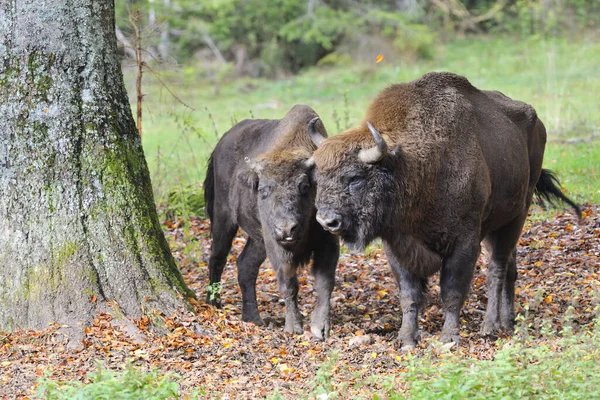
(285,192)
(356,189)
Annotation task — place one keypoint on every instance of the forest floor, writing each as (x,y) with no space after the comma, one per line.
(219,356)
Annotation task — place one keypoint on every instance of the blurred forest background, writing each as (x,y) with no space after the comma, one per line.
(209,64)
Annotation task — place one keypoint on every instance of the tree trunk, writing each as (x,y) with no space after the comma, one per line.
(78,226)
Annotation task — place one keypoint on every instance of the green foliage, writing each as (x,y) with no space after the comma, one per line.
(325,27)
(185,201)
(132,384)
(566,368)
(214,290)
(335,59)
(268,38)
(412,39)
(527,17)
(322,382)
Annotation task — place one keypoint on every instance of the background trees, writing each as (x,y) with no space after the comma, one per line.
(269,38)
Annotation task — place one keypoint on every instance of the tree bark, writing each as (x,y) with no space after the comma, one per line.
(79,231)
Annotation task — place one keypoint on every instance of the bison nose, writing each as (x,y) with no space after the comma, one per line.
(330,221)
(285,231)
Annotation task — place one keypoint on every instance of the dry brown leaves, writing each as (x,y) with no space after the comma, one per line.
(559,263)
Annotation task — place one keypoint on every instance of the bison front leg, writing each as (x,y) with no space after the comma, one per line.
(288,287)
(249,263)
(287,280)
(412,288)
(455,280)
(324,265)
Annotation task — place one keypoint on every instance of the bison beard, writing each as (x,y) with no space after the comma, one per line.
(463,168)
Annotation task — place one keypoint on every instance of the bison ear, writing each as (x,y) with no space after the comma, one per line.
(396,150)
(316,137)
(250,174)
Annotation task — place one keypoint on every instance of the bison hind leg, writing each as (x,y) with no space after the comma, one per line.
(223,232)
(507,306)
(501,277)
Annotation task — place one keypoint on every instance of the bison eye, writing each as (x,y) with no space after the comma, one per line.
(304,186)
(355,182)
(264,192)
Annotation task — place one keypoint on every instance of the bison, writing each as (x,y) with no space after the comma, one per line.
(258,179)
(438,167)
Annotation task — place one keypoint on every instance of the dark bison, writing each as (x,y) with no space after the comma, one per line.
(258,179)
(438,167)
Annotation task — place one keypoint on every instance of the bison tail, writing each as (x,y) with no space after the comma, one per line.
(547,189)
(209,188)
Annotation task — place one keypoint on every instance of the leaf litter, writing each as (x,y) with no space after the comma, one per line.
(214,351)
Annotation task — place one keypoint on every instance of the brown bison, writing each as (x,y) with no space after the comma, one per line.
(438,166)
(258,179)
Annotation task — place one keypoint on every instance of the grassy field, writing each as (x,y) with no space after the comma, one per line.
(560,78)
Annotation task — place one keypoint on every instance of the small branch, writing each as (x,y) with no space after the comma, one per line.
(127,46)
(211,44)
(491,13)
(136,21)
(465,18)
(157,76)
(310,8)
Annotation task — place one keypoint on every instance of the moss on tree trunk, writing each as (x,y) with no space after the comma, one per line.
(77,215)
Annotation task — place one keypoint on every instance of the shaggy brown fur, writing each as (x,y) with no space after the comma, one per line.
(463,166)
(291,134)
(418,119)
(408,114)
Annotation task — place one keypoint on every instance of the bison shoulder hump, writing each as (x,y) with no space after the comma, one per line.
(438,80)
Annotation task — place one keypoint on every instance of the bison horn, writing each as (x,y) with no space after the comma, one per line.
(315,136)
(310,162)
(376,153)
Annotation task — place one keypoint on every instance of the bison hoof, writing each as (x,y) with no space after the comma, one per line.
(213,301)
(408,341)
(254,318)
(489,328)
(320,331)
(508,325)
(293,327)
(447,337)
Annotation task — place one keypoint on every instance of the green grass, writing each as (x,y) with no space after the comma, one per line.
(560,365)
(578,166)
(564,368)
(130,384)
(559,77)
